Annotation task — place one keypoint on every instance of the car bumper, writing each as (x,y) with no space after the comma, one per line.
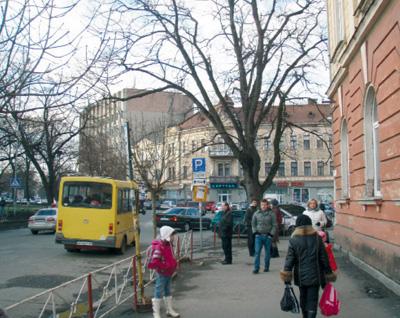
(109,242)
(42,226)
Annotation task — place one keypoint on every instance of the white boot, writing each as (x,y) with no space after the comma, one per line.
(156,307)
(170,311)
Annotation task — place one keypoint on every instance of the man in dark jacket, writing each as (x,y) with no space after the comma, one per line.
(264,227)
(226,230)
(307,255)
(247,221)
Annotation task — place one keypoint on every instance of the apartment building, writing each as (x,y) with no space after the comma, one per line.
(305,172)
(105,121)
(364,39)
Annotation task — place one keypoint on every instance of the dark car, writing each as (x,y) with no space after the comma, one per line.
(238,222)
(184,218)
(148,205)
(293,209)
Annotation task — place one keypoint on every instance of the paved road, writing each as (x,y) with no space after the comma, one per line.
(30,263)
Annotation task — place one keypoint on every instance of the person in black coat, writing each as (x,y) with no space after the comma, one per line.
(308,257)
(226,230)
(248,217)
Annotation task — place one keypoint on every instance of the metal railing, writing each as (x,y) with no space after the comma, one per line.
(95,294)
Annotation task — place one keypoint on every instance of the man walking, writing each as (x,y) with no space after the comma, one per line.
(248,217)
(264,226)
(2,208)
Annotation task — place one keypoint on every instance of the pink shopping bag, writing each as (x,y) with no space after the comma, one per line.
(329,302)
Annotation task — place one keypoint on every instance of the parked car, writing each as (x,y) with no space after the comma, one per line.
(288,222)
(43,220)
(238,222)
(294,209)
(167,204)
(148,204)
(185,218)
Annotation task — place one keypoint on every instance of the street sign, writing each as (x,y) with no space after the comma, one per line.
(199,181)
(200,193)
(15,183)
(199,164)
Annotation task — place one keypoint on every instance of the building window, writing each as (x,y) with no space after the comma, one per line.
(183,147)
(185,172)
(338,23)
(267,143)
(203,145)
(321,166)
(267,167)
(281,170)
(194,145)
(331,168)
(320,143)
(307,168)
(344,157)
(224,169)
(306,141)
(240,170)
(371,133)
(293,142)
(171,173)
(301,195)
(293,168)
(330,141)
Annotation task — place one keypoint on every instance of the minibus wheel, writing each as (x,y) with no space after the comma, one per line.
(122,249)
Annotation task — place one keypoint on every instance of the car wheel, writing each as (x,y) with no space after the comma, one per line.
(122,248)
(34,232)
(186,227)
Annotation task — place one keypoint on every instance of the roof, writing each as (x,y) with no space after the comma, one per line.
(296,114)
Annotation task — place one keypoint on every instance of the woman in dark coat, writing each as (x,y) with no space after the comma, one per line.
(226,230)
(307,256)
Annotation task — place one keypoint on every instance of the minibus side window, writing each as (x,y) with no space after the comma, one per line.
(125,200)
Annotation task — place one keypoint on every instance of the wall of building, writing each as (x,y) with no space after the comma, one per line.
(367,227)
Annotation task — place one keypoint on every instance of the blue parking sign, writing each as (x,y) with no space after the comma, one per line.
(199,164)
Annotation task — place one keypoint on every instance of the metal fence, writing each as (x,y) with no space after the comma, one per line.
(95,294)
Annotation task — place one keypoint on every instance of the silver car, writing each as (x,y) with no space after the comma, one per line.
(289,222)
(43,220)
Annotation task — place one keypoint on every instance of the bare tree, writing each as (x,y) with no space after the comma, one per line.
(99,157)
(263,54)
(154,161)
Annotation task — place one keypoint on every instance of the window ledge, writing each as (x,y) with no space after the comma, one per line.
(373,201)
(343,201)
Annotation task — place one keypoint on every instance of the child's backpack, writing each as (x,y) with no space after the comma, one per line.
(151,261)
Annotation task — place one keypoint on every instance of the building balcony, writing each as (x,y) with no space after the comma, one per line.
(218,152)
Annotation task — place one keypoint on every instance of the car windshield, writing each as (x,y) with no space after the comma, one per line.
(87,195)
(175,211)
(293,209)
(46,212)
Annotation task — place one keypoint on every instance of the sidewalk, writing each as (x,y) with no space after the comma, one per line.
(207,289)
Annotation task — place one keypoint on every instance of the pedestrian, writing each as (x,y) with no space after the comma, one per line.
(226,230)
(316,215)
(2,208)
(307,256)
(163,261)
(248,216)
(275,240)
(264,227)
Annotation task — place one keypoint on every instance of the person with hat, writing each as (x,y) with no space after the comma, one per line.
(163,261)
(308,259)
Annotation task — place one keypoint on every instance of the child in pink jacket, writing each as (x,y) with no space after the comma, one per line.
(163,261)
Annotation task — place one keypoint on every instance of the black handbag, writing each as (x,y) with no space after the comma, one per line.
(289,301)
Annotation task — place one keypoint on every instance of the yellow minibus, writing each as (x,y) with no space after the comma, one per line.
(96,213)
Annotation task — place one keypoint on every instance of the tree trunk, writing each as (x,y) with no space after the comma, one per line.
(154,213)
(253,188)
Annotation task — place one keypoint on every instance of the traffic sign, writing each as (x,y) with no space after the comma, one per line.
(15,183)
(200,193)
(199,164)
(199,181)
